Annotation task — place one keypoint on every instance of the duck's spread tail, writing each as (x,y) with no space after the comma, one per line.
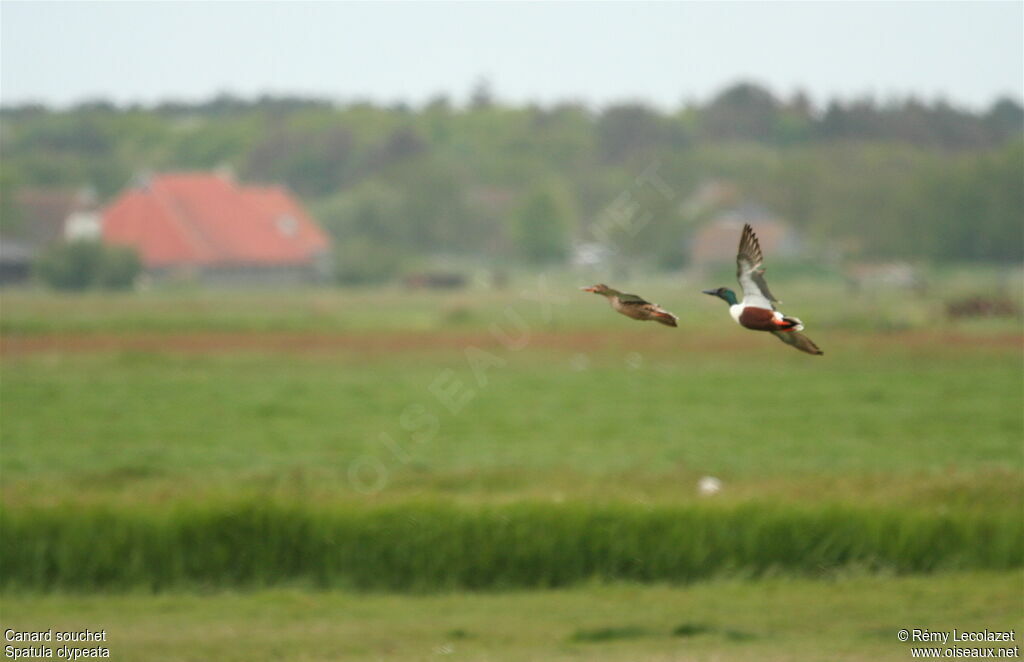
(668,319)
(788,323)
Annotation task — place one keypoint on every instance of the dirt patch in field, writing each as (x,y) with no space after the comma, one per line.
(219,342)
(394,342)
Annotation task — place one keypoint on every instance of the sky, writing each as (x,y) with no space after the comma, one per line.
(598,53)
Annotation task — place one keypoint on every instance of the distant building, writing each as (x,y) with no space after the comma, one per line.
(716,241)
(874,277)
(207,226)
(83,225)
(590,254)
(48,216)
(45,217)
(710,195)
(16,259)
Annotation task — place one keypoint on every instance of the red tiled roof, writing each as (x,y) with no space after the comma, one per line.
(202,219)
(282,206)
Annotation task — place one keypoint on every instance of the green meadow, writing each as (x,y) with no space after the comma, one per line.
(375,452)
(853,618)
(876,425)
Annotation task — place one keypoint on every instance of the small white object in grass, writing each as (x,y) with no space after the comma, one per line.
(709,485)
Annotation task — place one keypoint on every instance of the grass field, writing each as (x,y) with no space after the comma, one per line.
(854,619)
(488,441)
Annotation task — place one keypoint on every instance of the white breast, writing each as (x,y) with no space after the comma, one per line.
(736,310)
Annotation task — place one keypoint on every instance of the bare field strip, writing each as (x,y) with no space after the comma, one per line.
(387,342)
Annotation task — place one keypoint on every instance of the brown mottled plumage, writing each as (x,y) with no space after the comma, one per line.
(633,306)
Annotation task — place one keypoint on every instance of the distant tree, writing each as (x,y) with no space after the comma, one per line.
(436,118)
(10,213)
(903,178)
(627,128)
(372,211)
(542,226)
(96,106)
(741,112)
(403,143)
(1005,119)
(75,133)
(310,162)
(800,105)
(795,122)
(434,215)
(25,111)
(976,206)
(362,261)
(834,122)
(481,97)
(912,121)
(283,105)
(225,103)
(439,103)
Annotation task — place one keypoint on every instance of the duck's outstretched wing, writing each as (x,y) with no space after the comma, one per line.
(750,273)
(631,299)
(642,309)
(799,341)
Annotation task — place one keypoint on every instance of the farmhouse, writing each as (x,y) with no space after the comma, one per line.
(715,242)
(48,216)
(207,226)
(45,217)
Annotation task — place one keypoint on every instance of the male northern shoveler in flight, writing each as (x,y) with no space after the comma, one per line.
(757,310)
(633,306)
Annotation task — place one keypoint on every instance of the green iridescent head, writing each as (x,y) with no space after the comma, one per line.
(724,293)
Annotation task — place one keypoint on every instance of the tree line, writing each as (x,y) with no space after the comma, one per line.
(903,178)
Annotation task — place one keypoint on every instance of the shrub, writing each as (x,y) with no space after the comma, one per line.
(81,265)
(361,262)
